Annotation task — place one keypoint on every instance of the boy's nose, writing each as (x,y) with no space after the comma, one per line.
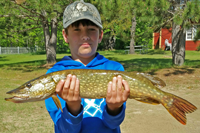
(85,34)
(85,38)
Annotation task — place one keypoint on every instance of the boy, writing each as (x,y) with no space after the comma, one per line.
(83,31)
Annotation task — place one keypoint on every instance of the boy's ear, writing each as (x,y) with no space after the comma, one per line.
(100,36)
(65,36)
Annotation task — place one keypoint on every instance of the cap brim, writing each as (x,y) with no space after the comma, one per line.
(80,18)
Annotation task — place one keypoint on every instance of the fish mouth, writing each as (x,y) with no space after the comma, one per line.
(10,92)
(14,99)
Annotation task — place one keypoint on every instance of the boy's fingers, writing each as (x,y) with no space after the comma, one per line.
(114,89)
(73,82)
(59,86)
(68,80)
(126,90)
(76,91)
(67,85)
(72,86)
(119,88)
(109,90)
(119,83)
(114,84)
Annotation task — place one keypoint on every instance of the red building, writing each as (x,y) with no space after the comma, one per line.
(165,35)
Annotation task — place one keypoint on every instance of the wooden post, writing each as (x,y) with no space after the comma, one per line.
(153,42)
(18,50)
(160,39)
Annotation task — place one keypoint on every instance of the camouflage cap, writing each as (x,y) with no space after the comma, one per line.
(81,10)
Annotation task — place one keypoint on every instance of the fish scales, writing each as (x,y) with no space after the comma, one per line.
(93,84)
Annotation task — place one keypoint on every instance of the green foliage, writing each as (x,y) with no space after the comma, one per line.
(188,12)
(192,11)
(23,24)
(198,47)
(197,37)
(155,13)
(117,20)
(116,16)
(143,34)
(15,31)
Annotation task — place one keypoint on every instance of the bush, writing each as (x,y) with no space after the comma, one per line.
(156,51)
(198,47)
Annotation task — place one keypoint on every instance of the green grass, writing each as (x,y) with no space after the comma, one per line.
(27,117)
(154,60)
(33,117)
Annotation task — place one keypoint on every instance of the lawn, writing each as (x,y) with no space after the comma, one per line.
(152,61)
(33,117)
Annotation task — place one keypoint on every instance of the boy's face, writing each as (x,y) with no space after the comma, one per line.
(83,40)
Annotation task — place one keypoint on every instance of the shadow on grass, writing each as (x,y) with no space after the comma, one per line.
(2,58)
(27,66)
(149,65)
(144,64)
(152,65)
(122,52)
(180,71)
(44,52)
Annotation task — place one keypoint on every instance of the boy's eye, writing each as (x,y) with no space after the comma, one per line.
(92,29)
(76,29)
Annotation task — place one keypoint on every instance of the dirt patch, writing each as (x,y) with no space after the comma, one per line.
(145,118)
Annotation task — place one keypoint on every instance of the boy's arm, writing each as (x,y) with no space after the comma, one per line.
(68,90)
(64,121)
(114,111)
(113,119)
(116,96)
(71,118)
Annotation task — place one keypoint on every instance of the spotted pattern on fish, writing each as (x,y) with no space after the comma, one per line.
(94,83)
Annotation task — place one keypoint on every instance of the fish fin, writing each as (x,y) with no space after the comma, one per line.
(154,80)
(148,100)
(57,101)
(178,107)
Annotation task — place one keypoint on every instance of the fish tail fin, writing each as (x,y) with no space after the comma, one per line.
(178,107)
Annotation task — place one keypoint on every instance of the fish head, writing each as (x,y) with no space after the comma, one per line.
(34,90)
(20,94)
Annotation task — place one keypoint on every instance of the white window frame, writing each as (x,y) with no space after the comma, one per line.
(191,32)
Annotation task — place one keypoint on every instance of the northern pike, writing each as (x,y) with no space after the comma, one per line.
(93,84)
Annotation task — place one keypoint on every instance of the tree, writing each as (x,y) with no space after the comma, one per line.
(185,12)
(147,12)
(119,20)
(178,14)
(114,18)
(38,14)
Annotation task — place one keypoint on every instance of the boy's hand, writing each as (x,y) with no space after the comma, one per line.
(116,96)
(68,90)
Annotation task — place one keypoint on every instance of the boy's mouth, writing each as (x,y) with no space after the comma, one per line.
(85,44)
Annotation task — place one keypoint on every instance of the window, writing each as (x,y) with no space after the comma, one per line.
(191,32)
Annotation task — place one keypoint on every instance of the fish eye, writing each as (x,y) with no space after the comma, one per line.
(29,85)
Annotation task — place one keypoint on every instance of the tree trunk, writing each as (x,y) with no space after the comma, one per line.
(132,43)
(50,40)
(51,52)
(110,43)
(178,44)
